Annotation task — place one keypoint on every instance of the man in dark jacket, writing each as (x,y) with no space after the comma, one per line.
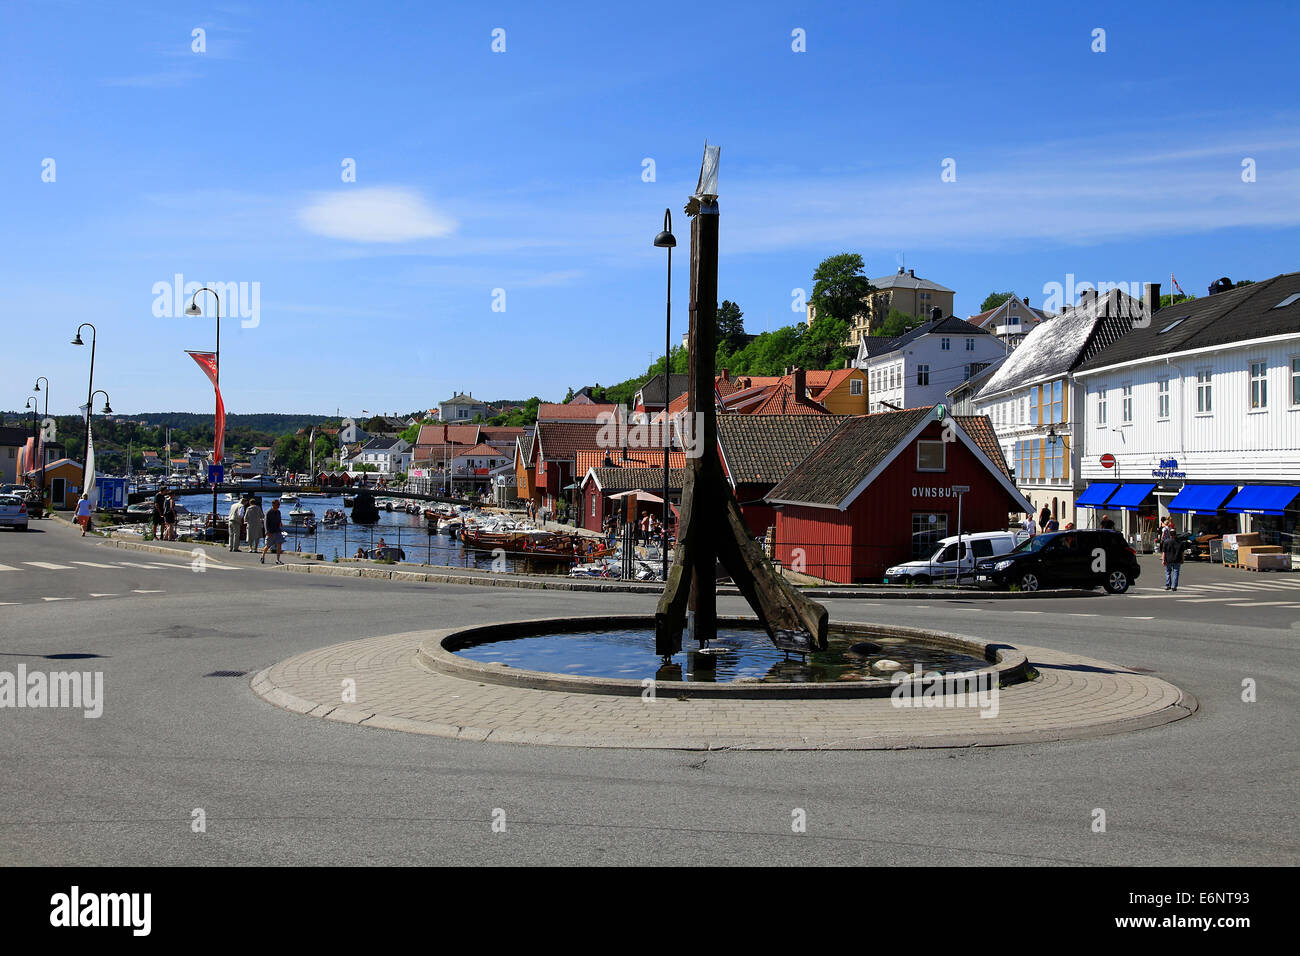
(1171,556)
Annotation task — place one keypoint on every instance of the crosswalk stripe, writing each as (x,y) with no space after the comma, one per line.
(143,591)
(1260,604)
(1139,618)
(92,564)
(93,594)
(56,599)
(5,567)
(48,566)
(1206,600)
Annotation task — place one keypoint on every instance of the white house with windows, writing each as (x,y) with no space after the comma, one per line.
(1034,407)
(386,456)
(1197,415)
(1011,321)
(919,367)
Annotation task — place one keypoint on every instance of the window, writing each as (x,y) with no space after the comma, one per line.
(1295,380)
(982,547)
(1058,402)
(930,455)
(1101,406)
(923,375)
(1204,392)
(965,372)
(927,529)
(970,344)
(855,386)
(1172,325)
(1258,385)
(1126,405)
(1033,402)
(945,344)
(1287,301)
(1162,399)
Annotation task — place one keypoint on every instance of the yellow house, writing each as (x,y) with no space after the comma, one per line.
(843,390)
(904,291)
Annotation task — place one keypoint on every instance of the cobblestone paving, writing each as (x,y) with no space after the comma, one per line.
(1073,697)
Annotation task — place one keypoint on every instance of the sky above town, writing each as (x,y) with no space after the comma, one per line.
(409,213)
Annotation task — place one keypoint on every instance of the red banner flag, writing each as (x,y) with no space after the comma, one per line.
(208,362)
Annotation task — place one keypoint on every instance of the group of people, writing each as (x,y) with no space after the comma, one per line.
(248,519)
(1046,523)
(164,515)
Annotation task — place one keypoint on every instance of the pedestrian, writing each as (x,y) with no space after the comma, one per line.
(83,513)
(159,504)
(1171,556)
(1053,525)
(1044,516)
(169,517)
(645,530)
(274,531)
(254,523)
(235,527)
(1106,523)
(1028,524)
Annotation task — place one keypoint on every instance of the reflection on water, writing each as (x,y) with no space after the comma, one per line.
(736,654)
(397,528)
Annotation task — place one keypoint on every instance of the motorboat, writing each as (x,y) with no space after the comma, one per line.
(335,518)
(289,499)
(302,520)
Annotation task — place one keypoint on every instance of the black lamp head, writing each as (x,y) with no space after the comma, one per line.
(665,239)
(77,340)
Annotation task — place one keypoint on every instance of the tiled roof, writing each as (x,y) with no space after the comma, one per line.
(379,444)
(636,458)
(782,401)
(980,429)
(633,479)
(561,441)
(499,432)
(582,412)
(526,443)
(903,280)
(836,465)
(481,450)
(1227,318)
(652,392)
(822,383)
(445,434)
(761,449)
(461,399)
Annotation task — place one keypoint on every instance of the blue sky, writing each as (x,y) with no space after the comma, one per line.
(522,171)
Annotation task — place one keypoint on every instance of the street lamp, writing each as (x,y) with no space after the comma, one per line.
(37,387)
(90,386)
(193,309)
(666,240)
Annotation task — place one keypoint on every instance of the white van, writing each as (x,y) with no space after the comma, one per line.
(946,565)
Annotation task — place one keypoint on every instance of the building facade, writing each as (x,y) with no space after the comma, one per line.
(920,367)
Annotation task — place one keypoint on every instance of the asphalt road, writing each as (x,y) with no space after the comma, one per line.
(277,788)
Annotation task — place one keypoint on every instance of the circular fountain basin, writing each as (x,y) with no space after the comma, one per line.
(615,655)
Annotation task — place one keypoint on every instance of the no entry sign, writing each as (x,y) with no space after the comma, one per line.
(1108,461)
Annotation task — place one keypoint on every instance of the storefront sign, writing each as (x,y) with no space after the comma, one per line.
(1168,469)
(932,492)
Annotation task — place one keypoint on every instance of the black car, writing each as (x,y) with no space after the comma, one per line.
(1064,559)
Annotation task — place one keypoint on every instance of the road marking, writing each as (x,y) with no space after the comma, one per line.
(5,567)
(1261,604)
(1139,618)
(1080,614)
(93,594)
(92,564)
(133,564)
(1026,612)
(48,566)
(56,599)
(8,603)
(1206,600)
(142,591)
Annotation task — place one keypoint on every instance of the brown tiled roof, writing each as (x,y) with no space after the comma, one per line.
(561,441)
(481,450)
(980,429)
(761,449)
(636,458)
(836,465)
(447,434)
(644,479)
(552,412)
(499,432)
(782,401)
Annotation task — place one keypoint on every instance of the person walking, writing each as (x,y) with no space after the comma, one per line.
(1052,525)
(83,513)
(169,517)
(159,504)
(1106,523)
(1044,516)
(1028,525)
(1171,556)
(254,523)
(236,523)
(274,531)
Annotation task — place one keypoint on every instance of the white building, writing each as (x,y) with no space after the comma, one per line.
(1011,321)
(919,367)
(1200,413)
(389,456)
(350,432)
(1034,407)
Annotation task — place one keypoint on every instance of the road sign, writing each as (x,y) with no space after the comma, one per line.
(1108,461)
(216,474)
(961,489)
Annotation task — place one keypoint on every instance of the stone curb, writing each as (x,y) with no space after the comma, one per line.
(1008,665)
(181,552)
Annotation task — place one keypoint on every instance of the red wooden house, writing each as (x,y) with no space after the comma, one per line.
(882,489)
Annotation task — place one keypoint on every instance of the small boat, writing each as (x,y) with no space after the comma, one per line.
(312,494)
(334,518)
(289,499)
(302,520)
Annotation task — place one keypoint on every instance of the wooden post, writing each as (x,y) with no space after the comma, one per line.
(711,525)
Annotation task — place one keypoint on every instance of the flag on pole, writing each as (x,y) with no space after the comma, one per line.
(90,470)
(208,362)
(1175,284)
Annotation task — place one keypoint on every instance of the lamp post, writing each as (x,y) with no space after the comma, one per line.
(37,387)
(108,410)
(666,240)
(90,386)
(193,309)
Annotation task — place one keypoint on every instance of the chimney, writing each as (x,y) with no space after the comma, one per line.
(936,314)
(1026,301)
(847,364)
(1151,298)
(800,380)
(1087,297)
(726,375)
(900,270)
(912,273)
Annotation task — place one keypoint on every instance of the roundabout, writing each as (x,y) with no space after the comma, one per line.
(416,683)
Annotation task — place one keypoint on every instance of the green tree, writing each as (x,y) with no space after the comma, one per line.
(994,299)
(841,287)
(895,324)
(1168,299)
(731,326)
(821,345)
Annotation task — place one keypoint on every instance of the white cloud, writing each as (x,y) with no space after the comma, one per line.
(375,215)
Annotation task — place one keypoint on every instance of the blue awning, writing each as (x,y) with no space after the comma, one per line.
(1130,497)
(1263,499)
(1201,499)
(1095,495)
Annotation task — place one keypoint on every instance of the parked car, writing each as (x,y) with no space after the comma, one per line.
(945,564)
(13,512)
(1074,559)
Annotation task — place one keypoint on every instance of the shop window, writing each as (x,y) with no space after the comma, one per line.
(931,455)
(1204,392)
(1258,385)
